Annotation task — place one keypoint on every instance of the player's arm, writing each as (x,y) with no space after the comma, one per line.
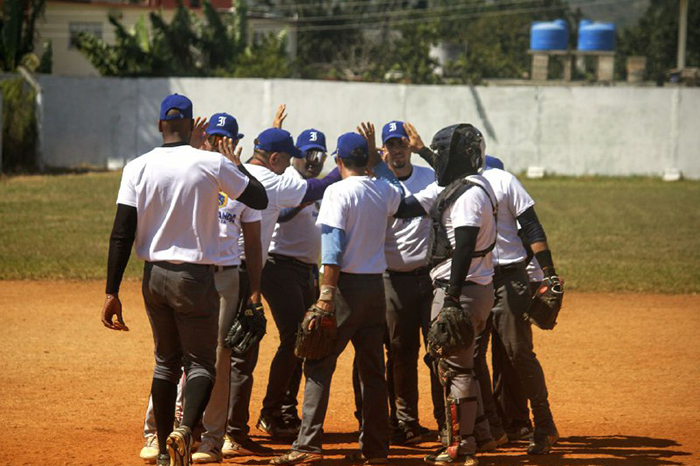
(533,234)
(288,213)
(332,248)
(315,187)
(465,243)
(120,242)
(253,257)
(416,144)
(254,195)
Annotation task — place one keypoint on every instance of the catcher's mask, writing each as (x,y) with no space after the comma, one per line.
(459,151)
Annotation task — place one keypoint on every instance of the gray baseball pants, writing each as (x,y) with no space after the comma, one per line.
(288,287)
(216,412)
(478,300)
(513,296)
(409,299)
(360,309)
(183,308)
(241,375)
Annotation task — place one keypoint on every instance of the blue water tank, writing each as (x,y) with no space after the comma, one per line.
(546,35)
(596,36)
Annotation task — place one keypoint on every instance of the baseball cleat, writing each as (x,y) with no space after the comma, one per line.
(163,460)
(207,454)
(445,456)
(297,457)
(542,443)
(358,457)
(179,446)
(149,452)
(489,445)
(405,434)
(244,446)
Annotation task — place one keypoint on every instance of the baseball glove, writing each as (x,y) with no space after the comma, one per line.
(546,303)
(450,331)
(317,342)
(247,330)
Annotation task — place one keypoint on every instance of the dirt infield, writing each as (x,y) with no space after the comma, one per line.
(623,373)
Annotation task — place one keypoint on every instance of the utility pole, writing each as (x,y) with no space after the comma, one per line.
(682,33)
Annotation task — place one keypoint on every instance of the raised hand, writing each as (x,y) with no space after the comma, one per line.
(198,135)
(366,129)
(414,140)
(227,148)
(280,116)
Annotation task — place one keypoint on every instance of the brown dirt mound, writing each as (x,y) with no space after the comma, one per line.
(623,375)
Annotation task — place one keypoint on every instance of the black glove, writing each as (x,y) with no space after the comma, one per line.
(451,330)
(317,342)
(247,329)
(546,303)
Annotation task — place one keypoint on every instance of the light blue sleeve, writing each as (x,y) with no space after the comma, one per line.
(383,172)
(332,245)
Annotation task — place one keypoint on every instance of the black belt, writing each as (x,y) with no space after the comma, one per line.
(500,270)
(445,284)
(290,260)
(221,268)
(419,271)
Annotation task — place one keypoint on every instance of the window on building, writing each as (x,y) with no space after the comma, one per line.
(76,28)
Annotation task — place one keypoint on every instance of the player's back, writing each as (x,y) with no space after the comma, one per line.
(361,206)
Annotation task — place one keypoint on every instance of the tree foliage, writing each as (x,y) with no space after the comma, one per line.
(214,44)
(18,30)
(656,37)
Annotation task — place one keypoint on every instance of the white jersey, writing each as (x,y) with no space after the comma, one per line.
(282,191)
(472,209)
(175,192)
(513,200)
(299,237)
(360,206)
(231,215)
(407,239)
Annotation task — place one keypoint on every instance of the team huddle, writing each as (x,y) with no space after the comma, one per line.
(455,253)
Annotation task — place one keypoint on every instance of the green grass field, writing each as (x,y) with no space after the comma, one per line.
(607,234)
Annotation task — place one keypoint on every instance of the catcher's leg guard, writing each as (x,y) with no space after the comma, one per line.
(454,407)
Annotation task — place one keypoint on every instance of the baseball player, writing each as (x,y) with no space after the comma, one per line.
(166,207)
(513,344)
(290,288)
(274,149)
(464,232)
(408,287)
(234,218)
(353,259)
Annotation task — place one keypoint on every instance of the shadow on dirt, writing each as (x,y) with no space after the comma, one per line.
(569,451)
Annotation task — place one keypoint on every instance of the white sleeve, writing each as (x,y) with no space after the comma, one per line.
(333,212)
(467,210)
(291,191)
(231,180)
(249,215)
(518,199)
(428,195)
(393,199)
(127,192)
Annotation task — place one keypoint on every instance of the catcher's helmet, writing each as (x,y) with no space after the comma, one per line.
(459,151)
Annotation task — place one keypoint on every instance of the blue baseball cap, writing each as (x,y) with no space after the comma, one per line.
(347,143)
(177,102)
(494,162)
(277,140)
(225,125)
(311,139)
(393,129)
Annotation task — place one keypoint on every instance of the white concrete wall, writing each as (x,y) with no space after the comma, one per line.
(566,130)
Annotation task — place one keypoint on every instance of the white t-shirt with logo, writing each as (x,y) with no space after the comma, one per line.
(513,200)
(282,191)
(299,237)
(472,209)
(175,191)
(231,214)
(407,239)
(360,206)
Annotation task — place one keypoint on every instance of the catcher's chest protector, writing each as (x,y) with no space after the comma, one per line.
(439,247)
